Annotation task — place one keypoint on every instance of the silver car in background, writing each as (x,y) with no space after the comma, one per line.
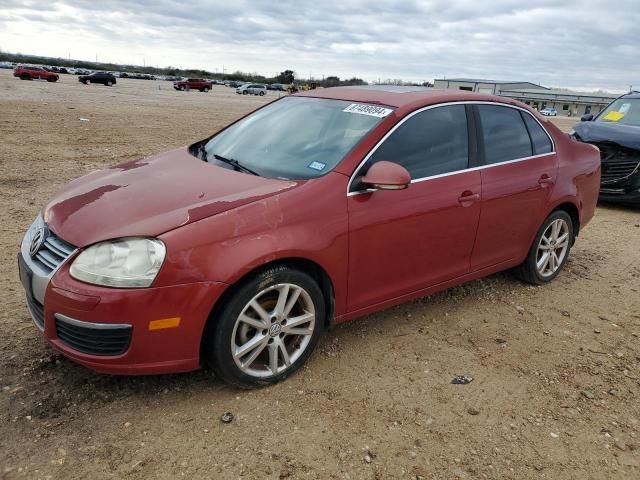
(252,88)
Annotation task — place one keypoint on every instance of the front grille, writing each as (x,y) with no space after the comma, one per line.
(52,252)
(37,312)
(618,162)
(94,341)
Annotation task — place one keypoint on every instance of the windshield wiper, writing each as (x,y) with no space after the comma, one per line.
(236,164)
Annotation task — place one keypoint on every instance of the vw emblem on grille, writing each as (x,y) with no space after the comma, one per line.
(36,242)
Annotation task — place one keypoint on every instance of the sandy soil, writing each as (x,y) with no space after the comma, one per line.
(556,369)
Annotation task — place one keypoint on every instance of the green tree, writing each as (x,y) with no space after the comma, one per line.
(288,76)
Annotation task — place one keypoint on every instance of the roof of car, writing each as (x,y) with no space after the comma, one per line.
(633,94)
(401,96)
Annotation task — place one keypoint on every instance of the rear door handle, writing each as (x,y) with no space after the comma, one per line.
(545,180)
(468,197)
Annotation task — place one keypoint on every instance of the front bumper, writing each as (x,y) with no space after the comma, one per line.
(110,330)
(625,191)
(620,195)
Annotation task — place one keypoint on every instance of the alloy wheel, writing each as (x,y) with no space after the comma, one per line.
(552,248)
(273,330)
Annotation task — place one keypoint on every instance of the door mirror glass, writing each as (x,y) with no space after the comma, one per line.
(384,175)
(587,118)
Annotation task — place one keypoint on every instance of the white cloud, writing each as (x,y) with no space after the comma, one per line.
(587,44)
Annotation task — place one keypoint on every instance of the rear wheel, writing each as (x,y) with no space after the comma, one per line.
(550,250)
(267,329)
(261,93)
(52,79)
(25,76)
(108,83)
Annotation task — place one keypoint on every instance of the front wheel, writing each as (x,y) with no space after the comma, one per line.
(87,82)
(550,250)
(267,329)
(245,92)
(261,94)
(205,90)
(25,76)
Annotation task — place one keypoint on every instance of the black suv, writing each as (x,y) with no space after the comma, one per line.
(107,79)
(616,132)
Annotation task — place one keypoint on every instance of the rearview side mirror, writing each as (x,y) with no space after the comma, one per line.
(586,118)
(385,175)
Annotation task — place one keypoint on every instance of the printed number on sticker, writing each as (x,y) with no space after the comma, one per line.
(371,110)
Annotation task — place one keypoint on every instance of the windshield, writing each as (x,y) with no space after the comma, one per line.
(623,111)
(296,138)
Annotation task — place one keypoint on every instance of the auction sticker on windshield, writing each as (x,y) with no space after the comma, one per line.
(371,110)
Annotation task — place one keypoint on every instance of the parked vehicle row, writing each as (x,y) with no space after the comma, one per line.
(217,264)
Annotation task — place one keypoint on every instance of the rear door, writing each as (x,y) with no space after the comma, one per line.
(401,241)
(519,169)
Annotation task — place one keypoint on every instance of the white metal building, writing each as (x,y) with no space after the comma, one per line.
(566,102)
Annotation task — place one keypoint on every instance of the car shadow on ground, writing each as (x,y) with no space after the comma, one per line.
(72,389)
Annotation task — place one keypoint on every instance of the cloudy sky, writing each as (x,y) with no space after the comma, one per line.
(588,44)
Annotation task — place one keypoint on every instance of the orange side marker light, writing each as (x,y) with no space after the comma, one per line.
(172,322)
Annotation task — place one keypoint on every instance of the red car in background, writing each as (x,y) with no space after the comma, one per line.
(239,250)
(26,72)
(193,84)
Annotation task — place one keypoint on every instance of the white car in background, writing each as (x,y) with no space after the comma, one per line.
(252,88)
(549,112)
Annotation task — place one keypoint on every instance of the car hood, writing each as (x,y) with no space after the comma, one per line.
(624,135)
(151,196)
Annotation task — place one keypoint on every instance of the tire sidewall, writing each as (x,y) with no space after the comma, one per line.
(531,258)
(218,339)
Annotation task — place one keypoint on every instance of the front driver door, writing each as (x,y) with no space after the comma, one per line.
(406,240)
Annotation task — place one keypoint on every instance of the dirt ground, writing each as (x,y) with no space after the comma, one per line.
(556,369)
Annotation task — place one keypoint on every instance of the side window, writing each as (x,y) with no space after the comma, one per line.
(539,138)
(431,142)
(504,133)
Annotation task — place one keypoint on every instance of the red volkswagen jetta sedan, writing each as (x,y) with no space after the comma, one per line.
(315,209)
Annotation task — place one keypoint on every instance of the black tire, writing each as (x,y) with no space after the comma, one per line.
(244,92)
(52,79)
(108,83)
(87,82)
(528,271)
(25,76)
(261,94)
(220,330)
(205,90)
(181,88)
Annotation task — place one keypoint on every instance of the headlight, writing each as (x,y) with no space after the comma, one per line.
(122,263)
